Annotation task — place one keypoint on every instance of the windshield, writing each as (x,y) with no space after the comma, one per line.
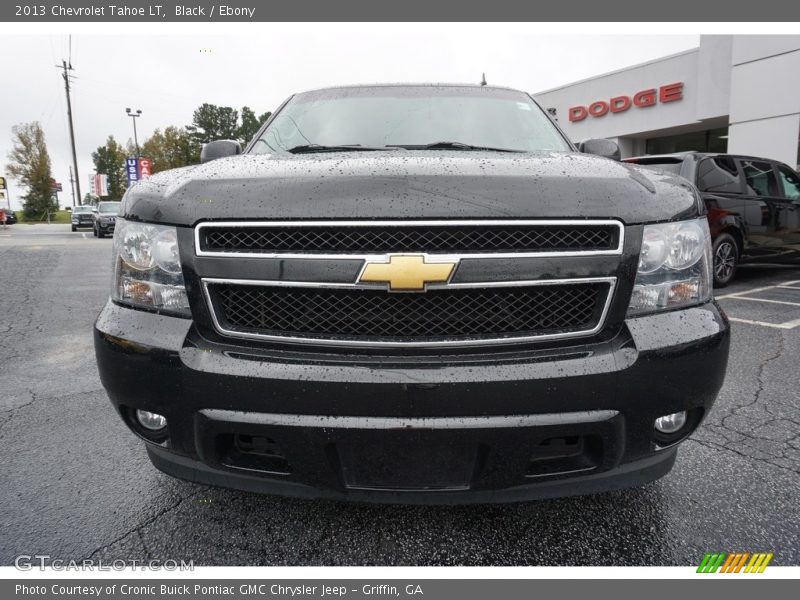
(412,117)
(111,208)
(82,209)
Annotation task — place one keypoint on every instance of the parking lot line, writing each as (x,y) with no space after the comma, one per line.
(744,295)
(764,300)
(786,325)
(759,289)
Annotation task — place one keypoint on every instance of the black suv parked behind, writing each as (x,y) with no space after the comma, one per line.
(753,206)
(105,218)
(412,293)
(82,216)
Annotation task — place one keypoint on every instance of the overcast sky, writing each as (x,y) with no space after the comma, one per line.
(167,77)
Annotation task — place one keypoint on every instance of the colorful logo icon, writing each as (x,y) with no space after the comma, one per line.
(743,562)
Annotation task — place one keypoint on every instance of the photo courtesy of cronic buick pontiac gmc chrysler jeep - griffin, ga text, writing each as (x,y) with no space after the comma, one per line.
(413,293)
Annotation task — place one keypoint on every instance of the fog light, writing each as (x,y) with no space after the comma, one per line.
(671,423)
(150,420)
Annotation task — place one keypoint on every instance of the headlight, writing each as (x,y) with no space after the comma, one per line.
(147,268)
(674,267)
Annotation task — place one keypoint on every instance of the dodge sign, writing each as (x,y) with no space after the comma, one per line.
(649,97)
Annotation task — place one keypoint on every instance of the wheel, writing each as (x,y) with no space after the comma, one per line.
(726,259)
(100,233)
(94,231)
(74,228)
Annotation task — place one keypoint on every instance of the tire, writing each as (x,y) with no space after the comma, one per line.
(100,233)
(94,231)
(74,229)
(726,259)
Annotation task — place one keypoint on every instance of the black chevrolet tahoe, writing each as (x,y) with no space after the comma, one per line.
(420,293)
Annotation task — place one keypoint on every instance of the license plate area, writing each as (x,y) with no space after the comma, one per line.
(407,460)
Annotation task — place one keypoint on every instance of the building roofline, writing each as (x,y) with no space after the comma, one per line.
(617,71)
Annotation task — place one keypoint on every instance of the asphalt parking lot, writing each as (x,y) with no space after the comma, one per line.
(74,483)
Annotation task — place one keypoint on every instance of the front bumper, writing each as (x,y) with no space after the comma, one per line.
(514,425)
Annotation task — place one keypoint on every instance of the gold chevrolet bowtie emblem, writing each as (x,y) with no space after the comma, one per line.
(407,272)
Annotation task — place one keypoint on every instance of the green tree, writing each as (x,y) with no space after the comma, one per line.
(250,125)
(175,147)
(211,122)
(110,160)
(29,163)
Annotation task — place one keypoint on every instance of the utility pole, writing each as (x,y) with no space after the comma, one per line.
(72,185)
(67,68)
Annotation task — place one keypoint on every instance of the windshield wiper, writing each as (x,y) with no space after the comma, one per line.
(310,148)
(451,146)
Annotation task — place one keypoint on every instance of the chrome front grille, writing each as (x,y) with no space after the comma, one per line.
(315,293)
(444,314)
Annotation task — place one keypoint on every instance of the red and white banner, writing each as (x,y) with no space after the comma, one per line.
(144,168)
(99,184)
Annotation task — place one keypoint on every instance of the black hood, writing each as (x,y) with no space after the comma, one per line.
(411,185)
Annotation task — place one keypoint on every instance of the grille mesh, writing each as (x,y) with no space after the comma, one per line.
(450,314)
(383,239)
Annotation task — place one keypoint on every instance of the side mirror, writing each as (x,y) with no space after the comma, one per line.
(601,147)
(219,149)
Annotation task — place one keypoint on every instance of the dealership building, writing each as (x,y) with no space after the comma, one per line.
(733,93)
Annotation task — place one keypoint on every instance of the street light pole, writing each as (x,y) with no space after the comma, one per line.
(133,115)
